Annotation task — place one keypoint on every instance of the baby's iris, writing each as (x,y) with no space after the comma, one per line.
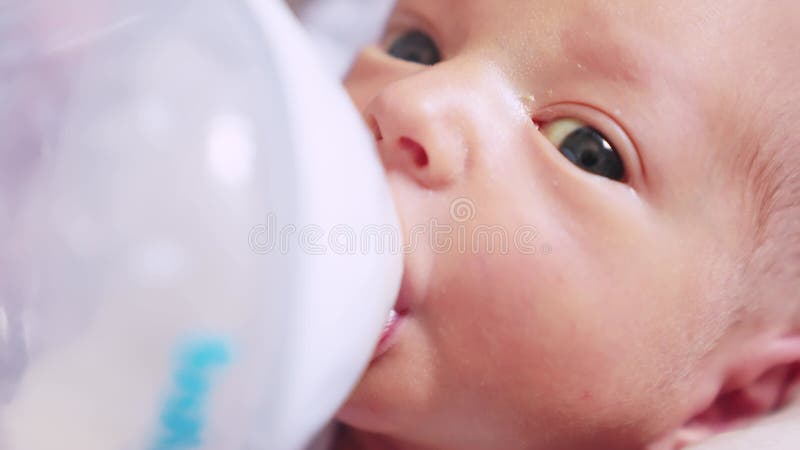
(586,147)
(416,47)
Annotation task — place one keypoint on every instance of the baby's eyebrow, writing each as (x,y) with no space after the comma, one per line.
(599,46)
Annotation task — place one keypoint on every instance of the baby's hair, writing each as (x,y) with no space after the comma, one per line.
(774,177)
(765,164)
(776,168)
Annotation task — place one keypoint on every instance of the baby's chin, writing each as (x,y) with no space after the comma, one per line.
(396,383)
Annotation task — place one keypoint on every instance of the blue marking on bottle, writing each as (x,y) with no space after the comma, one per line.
(183,417)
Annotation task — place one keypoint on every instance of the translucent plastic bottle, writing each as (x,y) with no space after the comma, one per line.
(192,228)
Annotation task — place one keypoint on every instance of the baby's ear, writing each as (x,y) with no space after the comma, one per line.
(757,384)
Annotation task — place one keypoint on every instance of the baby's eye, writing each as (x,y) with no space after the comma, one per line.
(585,147)
(416,47)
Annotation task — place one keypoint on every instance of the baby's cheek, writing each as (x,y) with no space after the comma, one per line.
(593,331)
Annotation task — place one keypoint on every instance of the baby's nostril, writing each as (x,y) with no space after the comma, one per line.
(372,123)
(418,153)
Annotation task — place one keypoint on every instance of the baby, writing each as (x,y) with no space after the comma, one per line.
(640,162)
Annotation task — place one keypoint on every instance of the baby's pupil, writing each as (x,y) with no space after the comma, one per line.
(588,159)
(588,149)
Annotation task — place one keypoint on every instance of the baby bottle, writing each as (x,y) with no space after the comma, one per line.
(198,248)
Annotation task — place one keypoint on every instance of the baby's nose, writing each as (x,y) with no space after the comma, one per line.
(420,127)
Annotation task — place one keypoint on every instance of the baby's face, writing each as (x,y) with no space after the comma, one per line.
(602,147)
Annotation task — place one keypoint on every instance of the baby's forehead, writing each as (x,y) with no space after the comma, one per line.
(623,39)
(701,22)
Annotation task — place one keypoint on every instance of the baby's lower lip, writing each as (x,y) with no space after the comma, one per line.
(393,322)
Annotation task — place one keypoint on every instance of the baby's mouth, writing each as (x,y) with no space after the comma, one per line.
(394,320)
(390,327)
